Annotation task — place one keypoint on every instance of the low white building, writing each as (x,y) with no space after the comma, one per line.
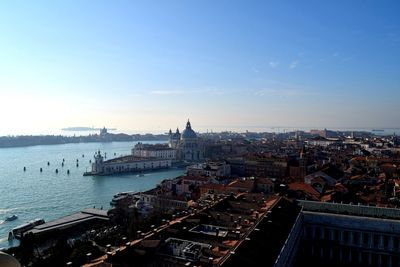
(154,151)
(127,164)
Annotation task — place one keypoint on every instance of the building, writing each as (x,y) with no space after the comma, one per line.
(209,169)
(265,166)
(217,233)
(189,147)
(160,151)
(322,133)
(264,185)
(252,230)
(161,202)
(349,235)
(126,164)
(103,131)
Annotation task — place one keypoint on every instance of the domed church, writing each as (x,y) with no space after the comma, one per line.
(189,147)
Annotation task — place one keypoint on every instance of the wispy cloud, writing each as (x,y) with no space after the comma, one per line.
(273,64)
(168,92)
(278,92)
(255,70)
(337,57)
(293,64)
(209,91)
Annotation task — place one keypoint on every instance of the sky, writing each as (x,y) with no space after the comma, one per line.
(148,66)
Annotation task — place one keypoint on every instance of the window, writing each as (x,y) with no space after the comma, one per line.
(365,239)
(317,233)
(327,234)
(385,241)
(356,238)
(336,235)
(375,241)
(308,232)
(396,243)
(345,236)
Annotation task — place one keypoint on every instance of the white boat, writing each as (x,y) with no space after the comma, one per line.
(11,218)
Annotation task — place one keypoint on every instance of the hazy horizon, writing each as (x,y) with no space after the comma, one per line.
(149,65)
(205,129)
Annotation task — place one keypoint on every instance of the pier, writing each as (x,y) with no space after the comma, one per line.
(79,219)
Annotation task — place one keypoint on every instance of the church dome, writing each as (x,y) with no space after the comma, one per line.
(8,261)
(188,133)
(177,134)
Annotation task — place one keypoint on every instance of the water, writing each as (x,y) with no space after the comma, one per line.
(31,194)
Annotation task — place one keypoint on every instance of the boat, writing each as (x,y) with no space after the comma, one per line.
(121,196)
(19,231)
(11,218)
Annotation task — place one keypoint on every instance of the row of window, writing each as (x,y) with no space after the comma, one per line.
(337,254)
(357,238)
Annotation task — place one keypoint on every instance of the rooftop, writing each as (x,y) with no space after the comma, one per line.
(129,158)
(217,234)
(71,220)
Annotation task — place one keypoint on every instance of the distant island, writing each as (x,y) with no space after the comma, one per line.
(103,136)
(82,129)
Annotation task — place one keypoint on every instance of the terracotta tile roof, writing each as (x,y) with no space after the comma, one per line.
(326,198)
(239,183)
(306,188)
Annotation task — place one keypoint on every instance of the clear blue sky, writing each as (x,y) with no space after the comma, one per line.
(150,65)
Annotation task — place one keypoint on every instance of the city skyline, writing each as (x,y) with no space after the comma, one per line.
(147,66)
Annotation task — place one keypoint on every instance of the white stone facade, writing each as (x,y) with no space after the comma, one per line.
(154,151)
(127,164)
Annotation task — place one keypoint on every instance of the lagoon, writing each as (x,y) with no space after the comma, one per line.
(49,195)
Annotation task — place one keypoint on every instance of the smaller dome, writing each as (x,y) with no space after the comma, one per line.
(177,134)
(188,133)
(8,261)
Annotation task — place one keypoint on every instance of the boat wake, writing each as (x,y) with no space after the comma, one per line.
(4,211)
(1,222)
(3,239)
